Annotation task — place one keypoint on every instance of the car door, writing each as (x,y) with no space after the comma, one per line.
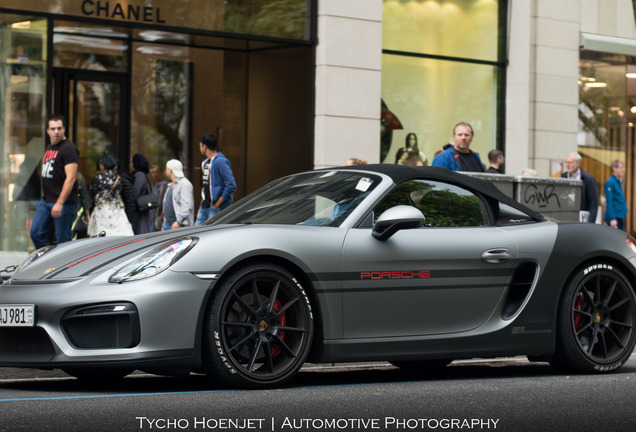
(445,277)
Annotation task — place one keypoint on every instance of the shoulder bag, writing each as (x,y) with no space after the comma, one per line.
(148,201)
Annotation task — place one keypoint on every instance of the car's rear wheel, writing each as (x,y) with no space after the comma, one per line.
(596,321)
(259,327)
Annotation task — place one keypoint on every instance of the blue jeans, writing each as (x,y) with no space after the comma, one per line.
(204,214)
(42,222)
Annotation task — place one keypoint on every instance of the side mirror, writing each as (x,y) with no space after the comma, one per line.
(395,219)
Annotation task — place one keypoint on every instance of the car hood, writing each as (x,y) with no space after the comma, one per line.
(81,258)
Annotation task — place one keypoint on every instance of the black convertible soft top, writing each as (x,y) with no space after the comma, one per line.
(401,173)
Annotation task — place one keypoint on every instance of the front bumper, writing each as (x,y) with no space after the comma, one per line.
(154,322)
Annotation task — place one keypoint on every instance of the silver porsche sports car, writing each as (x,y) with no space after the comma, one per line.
(415,266)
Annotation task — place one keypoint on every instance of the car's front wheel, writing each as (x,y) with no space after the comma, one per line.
(596,321)
(259,327)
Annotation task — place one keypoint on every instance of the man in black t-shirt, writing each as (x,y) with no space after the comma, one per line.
(59,170)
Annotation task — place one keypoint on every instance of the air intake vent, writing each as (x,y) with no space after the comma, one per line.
(522,279)
(102,327)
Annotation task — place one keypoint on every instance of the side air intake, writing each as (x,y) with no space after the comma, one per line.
(523,277)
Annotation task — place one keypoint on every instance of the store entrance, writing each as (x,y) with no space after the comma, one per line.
(95,105)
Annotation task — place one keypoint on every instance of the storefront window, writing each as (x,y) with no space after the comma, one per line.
(452,28)
(440,66)
(603,103)
(22,108)
(607,114)
(429,97)
(162,100)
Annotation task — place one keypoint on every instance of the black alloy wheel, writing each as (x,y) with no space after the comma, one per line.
(259,328)
(596,322)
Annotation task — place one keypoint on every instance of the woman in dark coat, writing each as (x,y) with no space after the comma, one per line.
(142,222)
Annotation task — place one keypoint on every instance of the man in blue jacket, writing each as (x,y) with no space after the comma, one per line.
(616,208)
(459,156)
(218,181)
(589,194)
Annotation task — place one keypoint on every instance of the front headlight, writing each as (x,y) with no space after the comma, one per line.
(34,256)
(153,262)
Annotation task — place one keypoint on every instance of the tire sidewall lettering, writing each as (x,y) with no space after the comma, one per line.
(305,296)
(595,267)
(609,368)
(222,355)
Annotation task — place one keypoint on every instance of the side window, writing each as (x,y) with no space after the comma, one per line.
(442,204)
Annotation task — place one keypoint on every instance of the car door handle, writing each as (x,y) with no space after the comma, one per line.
(496,256)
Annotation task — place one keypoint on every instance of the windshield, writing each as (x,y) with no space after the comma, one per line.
(319,198)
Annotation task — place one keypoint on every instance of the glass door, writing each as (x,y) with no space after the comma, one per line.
(95,106)
(23,71)
(90,88)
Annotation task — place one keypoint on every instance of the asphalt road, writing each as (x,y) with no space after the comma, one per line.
(510,395)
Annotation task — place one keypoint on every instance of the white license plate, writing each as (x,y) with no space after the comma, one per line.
(16,315)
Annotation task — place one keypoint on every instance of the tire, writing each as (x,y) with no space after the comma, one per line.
(258,328)
(595,321)
(98,375)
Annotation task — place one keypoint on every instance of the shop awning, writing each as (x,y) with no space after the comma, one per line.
(608,44)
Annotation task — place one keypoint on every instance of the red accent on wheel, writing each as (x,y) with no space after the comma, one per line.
(282,321)
(577,318)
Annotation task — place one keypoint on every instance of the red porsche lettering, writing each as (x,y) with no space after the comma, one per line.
(402,274)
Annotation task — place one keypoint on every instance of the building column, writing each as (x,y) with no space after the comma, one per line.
(544,38)
(518,110)
(348,82)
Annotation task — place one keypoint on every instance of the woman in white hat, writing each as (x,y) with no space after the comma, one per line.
(178,203)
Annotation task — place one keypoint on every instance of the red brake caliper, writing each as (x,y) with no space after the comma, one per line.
(282,321)
(578,304)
